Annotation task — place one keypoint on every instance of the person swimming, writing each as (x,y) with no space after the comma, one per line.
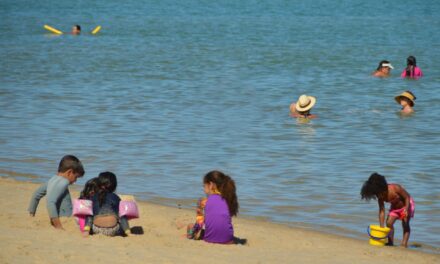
(76,30)
(383,70)
(301,109)
(406,100)
(411,70)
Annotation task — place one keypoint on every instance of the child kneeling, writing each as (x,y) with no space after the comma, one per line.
(105,219)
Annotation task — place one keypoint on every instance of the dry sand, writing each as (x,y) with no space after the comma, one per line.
(25,239)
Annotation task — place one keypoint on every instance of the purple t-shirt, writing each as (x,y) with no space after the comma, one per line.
(218,224)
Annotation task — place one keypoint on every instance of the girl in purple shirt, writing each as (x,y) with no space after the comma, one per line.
(220,206)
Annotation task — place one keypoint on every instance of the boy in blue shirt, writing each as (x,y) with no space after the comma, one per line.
(59,202)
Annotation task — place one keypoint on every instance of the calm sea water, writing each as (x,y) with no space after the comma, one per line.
(169,90)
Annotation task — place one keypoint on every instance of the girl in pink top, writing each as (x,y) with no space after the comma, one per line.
(411,70)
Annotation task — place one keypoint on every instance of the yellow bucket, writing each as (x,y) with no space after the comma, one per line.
(378,235)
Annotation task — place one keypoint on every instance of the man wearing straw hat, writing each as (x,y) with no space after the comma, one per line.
(301,109)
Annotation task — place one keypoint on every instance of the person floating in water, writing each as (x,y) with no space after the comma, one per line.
(76,30)
(383,70)
(301,109)
(411,70)
(406,100)
(402,204)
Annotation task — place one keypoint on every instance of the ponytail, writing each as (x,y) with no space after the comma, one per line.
(107,184)
(226,186)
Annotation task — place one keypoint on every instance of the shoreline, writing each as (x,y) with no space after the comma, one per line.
(160,238)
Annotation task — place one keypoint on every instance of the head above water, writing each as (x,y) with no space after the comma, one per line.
(406,96)
(384,64)
(374,187)
(305,103)
(411,61)
(76,30)
(226,186)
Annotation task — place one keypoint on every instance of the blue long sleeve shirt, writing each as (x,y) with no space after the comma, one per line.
(59,202)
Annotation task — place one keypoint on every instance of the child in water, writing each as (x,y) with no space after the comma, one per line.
(105,219)
(406,100)
(402,205)
(383,70)
(301,109)
(411,70)
(220,206)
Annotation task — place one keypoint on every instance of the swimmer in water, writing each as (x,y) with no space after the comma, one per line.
(406,100)
(301,109)
(411,70)
(383,70)
(76,30)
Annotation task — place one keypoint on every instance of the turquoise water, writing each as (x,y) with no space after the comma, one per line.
(169,90)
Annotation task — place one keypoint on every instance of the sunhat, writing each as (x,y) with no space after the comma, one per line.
(387,65)
(408,95)
(305,103)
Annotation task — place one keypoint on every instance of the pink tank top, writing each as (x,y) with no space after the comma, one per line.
(417,73)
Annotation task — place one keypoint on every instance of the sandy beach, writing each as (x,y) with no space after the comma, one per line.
(160,238)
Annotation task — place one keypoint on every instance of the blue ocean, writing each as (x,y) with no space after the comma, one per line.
(169,90)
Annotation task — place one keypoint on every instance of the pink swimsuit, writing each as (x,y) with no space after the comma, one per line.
(417,73)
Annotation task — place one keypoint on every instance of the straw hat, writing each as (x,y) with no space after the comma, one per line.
(305,103)
(408,95)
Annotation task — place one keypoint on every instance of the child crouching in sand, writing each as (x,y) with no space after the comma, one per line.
(402,205)
(59,203)
(218,210)
(105,219)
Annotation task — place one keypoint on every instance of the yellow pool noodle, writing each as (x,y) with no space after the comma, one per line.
(53,30)
(96,30)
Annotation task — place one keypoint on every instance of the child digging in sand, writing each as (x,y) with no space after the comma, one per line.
(59,203)
(402,205)
(105,219)
(215,212)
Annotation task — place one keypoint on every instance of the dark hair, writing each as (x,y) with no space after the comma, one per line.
(380,64)
(107,183)
(90,188)
(374,186)
(226,186)
(71,162)
(410,61)
(78,27)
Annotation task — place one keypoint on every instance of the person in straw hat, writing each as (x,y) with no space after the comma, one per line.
(383,70)
(303,106)
(406,100)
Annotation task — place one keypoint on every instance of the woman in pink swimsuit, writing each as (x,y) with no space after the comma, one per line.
(411,70)
(402,205)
